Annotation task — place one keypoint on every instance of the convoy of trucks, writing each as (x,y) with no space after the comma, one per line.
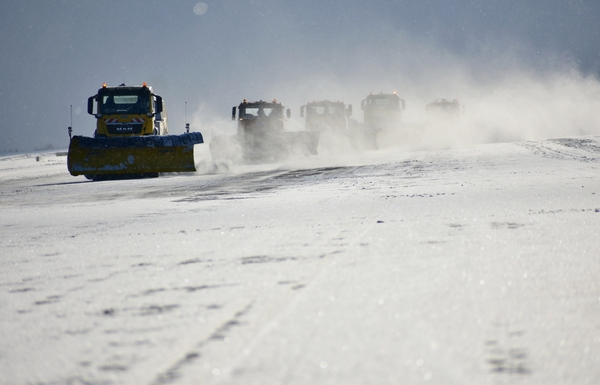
(132,138)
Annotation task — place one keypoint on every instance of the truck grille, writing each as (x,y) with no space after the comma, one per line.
(124,128)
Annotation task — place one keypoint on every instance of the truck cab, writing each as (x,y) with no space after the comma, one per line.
(445,110)
(260,117)
(123,111)
(382,111)
(326,116)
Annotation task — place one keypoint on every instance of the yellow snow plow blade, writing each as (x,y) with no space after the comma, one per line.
(132,155)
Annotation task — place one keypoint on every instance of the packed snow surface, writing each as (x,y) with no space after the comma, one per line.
(465,266)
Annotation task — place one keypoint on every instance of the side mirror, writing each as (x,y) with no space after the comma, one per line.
(233,113)
(349,112)
(91,104)
(159,105)
(288,113)
(302,111)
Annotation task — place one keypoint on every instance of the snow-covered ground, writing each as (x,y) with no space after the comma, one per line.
(467,266)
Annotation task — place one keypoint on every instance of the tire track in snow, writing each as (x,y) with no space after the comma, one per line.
(286,302)
(243,321)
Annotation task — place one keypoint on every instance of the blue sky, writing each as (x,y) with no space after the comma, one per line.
(58,53)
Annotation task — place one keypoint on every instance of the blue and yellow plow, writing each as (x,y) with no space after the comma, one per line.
(135,156)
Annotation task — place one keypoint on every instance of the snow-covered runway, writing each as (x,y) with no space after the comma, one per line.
(466,266)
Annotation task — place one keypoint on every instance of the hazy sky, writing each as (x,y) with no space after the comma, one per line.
(58,53)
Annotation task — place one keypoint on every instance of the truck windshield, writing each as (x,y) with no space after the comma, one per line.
(449,108)
(124,104)
(325,110)
(260,112)
(383,103)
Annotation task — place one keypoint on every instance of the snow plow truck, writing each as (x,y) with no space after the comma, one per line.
(333,121)
(382,118)
(382,111)
(326,116)
(261,135)
(131,138)
(445,110)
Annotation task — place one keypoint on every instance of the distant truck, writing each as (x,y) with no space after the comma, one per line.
(382,111)
(333,121)
(326,116)
(261,135)
(444,110)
